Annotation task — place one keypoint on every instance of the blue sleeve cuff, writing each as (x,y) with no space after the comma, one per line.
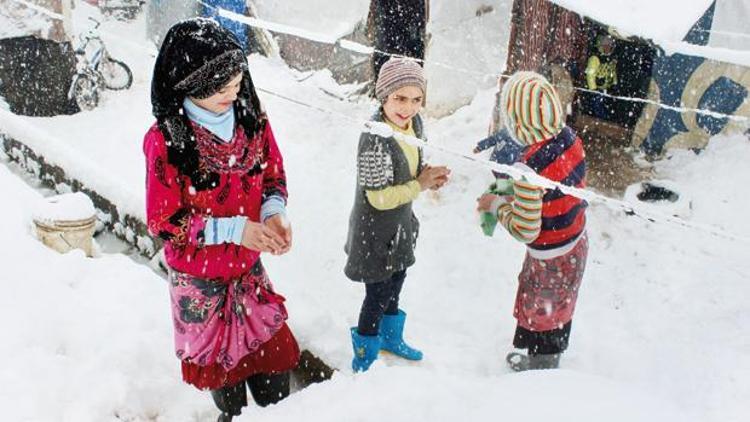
(224,230)
(507,151)
(487,143)
(271,206)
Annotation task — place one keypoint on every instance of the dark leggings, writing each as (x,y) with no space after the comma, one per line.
(380,298)
(265,388)
(543,342)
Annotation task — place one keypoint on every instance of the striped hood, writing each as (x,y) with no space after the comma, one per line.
(531,107)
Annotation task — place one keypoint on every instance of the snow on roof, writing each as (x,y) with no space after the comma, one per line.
(666,22)
(20,21)
(663,20)
(332,18)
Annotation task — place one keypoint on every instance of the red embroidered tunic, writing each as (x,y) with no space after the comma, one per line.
(250,170)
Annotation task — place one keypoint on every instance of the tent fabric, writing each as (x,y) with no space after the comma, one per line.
(692,82)
(237,6)
(543,33)
(692,76)
(543,36)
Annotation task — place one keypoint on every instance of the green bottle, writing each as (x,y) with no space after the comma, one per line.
(502,187)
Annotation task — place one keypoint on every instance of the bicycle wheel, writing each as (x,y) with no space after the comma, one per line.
(86,92)
(116,74)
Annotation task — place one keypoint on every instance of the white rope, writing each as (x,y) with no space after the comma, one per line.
(669,107)
(367,50)
(591,197)
(729,33)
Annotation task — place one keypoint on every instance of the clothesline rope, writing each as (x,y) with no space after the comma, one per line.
(730,33)
(514,172)
(363,49)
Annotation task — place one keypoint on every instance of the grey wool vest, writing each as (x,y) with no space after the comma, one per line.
(380,243)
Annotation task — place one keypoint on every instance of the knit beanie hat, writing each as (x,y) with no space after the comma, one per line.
(197,58)
(531,107)
(397,73)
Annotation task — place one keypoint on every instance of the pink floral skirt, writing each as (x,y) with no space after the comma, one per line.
(548,289)
(219,322)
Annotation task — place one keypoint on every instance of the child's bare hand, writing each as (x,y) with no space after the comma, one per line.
(433,177)
(484,203)
(489,202)
(261,238)
(280,225)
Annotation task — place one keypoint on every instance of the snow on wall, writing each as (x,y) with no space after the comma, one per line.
(332,17)
(461,39)
(464,53)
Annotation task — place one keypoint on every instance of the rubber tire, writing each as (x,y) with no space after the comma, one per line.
(86,92)
(121,67)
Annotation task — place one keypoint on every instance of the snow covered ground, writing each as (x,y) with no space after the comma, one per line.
(660,331)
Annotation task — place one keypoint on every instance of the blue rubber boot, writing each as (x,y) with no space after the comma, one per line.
(392,332)
(366,350)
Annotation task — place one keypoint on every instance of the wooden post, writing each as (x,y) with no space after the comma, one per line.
(61,27)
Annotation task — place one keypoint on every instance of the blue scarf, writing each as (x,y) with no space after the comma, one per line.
(221,125)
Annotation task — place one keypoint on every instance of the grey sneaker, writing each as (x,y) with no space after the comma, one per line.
(520,362)
(517,361)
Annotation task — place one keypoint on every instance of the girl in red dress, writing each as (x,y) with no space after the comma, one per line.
(216,195)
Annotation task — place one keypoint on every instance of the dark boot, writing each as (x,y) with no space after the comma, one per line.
(230,400)
(520,362)
(269,388)
(224,417)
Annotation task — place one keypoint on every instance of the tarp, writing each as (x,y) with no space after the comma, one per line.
(693,82)
(237,6)
(679,59)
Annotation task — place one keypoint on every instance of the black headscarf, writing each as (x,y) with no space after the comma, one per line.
(197,58)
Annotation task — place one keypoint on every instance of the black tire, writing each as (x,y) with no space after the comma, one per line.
(116,74)
(86,92)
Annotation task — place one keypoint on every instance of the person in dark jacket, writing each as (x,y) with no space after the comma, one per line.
(382,227)
(550,223)
(397,27)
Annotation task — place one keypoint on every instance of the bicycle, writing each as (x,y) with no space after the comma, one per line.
(96,71)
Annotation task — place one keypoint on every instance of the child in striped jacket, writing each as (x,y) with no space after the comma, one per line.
(551,223)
